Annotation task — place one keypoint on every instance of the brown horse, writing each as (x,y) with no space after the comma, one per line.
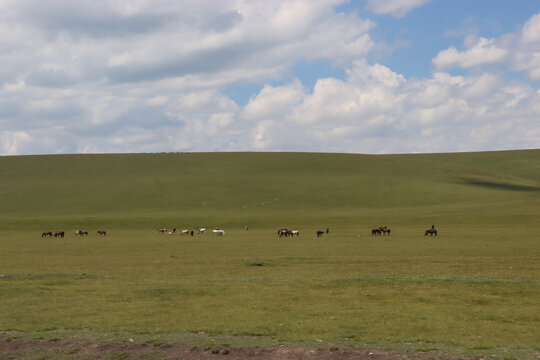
(376,232)
(384,230)
(319,233)
(282,232)
(58,233)
(46,233)
(81,232)
(162,231)
(102,232)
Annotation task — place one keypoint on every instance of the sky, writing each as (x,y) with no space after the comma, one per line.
(358,76)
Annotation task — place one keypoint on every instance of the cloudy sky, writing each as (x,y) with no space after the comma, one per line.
(358,76)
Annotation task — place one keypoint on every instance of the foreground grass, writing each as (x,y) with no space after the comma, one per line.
(473,291)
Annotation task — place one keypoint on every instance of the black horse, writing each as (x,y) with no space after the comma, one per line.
(431,232)
(319,233)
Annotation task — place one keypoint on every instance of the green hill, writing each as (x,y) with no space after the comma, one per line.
(268,189)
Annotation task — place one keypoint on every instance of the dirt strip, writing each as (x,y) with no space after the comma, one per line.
(82,349)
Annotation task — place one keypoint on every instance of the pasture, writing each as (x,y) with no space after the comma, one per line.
(473,289)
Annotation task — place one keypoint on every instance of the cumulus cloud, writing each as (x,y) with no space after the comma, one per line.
(12,142)
(483,52)
(398,8)
(376,110)
(518,51)
(531,30)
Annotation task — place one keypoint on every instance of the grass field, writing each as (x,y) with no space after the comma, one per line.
(475,288)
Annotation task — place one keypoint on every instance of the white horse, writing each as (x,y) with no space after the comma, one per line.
(295,232)
(200,230)
(184,232)
(218,232)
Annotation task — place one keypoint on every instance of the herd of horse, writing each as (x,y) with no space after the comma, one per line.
(287,232)
(50,233)
(283,232)
(77,233)
(200,230)
(383,229)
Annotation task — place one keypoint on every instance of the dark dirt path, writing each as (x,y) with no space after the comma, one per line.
(74,349)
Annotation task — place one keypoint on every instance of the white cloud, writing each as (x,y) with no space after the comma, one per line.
(368,113)
(531,30)
(272,102)
(13,142)
(15,86)
(519,51)
(483,52)
(398,8)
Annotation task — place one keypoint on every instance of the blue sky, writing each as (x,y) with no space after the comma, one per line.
(360,76)
(437,25)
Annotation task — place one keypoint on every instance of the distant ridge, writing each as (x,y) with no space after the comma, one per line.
(134,189)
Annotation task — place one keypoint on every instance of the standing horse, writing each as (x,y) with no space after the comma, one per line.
(102,232)
(81,232)
(319,233)
(46,233)
(376,232)
(218,232)
(431,232)
(384,230)
(162,231)
(58,233)
(282,232)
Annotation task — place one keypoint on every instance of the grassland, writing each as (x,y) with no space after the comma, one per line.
(475,288)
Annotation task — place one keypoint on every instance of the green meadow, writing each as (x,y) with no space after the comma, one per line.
(473,289)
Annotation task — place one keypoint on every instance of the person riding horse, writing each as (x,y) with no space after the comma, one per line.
(431,231)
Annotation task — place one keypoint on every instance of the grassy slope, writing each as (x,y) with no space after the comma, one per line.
(234,188)
(475,286)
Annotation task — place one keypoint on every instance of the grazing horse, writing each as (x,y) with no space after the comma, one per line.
(319,233)
(431,232)
(58,233)
(295,232)
(218,232)
(200,230)
(283,232)
(384,230)
(376,232)
(102,232)
(46,233)
(162,231)
(81,232)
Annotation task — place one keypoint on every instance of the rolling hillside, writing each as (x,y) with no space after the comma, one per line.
(267,189)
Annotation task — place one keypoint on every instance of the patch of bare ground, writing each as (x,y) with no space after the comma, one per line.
(82,349)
